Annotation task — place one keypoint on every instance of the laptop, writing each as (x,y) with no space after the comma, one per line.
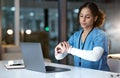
(33,58)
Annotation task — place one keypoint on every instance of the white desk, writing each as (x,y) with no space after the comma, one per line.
(114,56)
(75,72)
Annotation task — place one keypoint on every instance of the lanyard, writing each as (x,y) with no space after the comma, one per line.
(84,41)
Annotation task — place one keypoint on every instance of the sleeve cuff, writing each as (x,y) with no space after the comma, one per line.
(69,50)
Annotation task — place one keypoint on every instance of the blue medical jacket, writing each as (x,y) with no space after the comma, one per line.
(96,38)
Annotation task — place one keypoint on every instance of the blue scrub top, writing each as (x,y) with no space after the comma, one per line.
(96,38)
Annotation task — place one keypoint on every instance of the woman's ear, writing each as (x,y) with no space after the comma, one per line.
(96,17)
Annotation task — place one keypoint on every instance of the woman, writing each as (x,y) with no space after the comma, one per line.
(89,44)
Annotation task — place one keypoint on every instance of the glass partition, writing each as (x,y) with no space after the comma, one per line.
(41,22)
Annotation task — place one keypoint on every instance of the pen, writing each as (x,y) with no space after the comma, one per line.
(16,64)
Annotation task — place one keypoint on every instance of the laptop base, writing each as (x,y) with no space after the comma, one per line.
(50,69)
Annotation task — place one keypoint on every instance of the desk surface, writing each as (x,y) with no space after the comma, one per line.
(114,56)
(75,72)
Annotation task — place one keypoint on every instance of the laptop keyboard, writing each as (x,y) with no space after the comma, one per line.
(50,68)
(55,69)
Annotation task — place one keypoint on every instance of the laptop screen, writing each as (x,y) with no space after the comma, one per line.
(32,56)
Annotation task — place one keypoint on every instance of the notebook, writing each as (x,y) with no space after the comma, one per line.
(33,58)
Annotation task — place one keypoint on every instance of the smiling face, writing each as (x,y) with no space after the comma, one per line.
(86,18)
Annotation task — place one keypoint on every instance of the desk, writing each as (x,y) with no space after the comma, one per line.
(75,72)
(114,56)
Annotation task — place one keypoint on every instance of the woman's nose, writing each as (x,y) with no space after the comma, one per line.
(83,19)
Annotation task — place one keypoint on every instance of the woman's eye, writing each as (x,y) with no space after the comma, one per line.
(81,16)
(87,17)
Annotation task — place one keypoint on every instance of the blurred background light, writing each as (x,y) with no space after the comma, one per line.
(9,31)
(28,31)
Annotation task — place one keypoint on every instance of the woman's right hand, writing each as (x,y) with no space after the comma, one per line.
(58,49)
(62,48)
